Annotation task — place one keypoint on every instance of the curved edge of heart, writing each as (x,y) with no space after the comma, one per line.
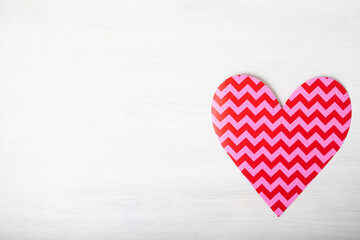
(280,150)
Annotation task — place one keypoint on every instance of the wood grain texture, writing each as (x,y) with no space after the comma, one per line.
(105,125)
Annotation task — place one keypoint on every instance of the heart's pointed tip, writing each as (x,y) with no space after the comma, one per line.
(278,212)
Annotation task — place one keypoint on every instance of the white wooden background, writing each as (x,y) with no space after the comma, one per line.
(105,126)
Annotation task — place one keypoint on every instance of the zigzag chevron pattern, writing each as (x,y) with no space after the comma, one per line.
(280,150)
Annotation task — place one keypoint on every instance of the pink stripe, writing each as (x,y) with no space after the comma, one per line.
(247,89)
(279,197)
(279,167)
(281,121)
(325,80)
(281,136)
(240,78)
(278,152)
(279,182)
(255,80)
(318,91)
(247,104)
(265,105)
(317,106)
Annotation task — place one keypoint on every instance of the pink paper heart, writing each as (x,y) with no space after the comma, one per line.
(280,150)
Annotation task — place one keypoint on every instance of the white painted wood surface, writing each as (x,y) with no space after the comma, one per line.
(105,127)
